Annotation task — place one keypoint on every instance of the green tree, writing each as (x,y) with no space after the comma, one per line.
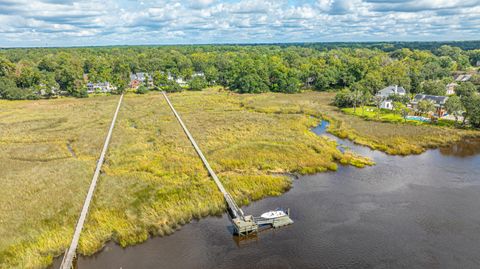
(251,83)
(398,107)
(454,107)
(433,87)
(198,83)
(404,112)
(425,106)
(141,90)
(160,78)
(472,109)
(465,89)
(343,99)
(172,86)
(10,91)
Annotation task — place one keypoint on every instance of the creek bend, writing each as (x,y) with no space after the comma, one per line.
(418,211)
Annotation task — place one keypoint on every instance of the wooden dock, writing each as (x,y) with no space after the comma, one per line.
(67,261)
(244,225)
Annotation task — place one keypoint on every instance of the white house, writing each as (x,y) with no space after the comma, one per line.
(387,92)
(391,90)
(451,88)
(387,104)
(101,87)
(178,79)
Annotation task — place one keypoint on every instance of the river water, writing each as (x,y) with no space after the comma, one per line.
(418,211)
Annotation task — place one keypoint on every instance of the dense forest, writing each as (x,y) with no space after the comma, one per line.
(239,68)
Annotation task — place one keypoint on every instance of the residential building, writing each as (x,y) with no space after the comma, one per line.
(387,92)
(391,90)
(182,82)
(100,87)
(137,79)
(387,104)
(463,78)
(198,74)
(438,101)
(450,89)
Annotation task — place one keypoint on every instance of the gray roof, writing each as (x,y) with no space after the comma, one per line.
(438,100)
(140,76)
(392,90)
(463,78)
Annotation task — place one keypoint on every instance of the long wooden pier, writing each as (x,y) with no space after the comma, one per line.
(236,211)
(67,261)
(244,225)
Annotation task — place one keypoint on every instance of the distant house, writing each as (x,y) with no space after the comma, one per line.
(391,90)
(137,79)
(387,104)
(43,90)
(438,101)
(100,87)
(450,89)
(463,78)
(387,92)
(198,74)
(478,63)
(178,80)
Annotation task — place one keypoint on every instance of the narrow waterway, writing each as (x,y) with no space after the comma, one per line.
(405,212)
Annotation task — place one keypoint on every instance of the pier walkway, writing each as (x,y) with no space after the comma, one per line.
(244,225)
(67,261)
(236,211)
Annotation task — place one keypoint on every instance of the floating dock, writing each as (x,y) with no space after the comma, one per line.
(243,225)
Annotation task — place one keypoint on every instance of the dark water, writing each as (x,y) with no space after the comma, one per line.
(406,212)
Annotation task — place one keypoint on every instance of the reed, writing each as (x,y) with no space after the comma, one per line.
(152,181)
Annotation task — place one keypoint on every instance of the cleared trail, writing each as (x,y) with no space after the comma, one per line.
(70,254)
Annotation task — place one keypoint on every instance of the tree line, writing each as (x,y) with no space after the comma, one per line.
(242,69)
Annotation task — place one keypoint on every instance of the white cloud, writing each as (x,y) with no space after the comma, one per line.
(173,21)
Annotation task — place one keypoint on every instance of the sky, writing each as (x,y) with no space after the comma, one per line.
(26,23)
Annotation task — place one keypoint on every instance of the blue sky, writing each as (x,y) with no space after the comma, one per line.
(129,22)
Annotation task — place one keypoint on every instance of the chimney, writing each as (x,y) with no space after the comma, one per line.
(396,89)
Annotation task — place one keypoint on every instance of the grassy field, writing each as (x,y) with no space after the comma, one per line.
(152,181)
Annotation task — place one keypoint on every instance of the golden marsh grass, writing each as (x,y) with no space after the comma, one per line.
(152,181)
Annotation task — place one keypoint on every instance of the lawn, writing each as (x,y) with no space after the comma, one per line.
(152,181)
(385,115)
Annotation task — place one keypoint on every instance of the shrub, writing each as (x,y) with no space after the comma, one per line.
(343,99)
(141,90)
(197,84)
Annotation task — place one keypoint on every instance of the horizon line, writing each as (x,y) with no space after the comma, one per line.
(239,44)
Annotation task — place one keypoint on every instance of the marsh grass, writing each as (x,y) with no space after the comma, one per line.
(42,184)
(392,138)
(152,181)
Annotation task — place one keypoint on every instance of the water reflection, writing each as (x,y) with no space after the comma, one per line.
(465,148)
(406,212)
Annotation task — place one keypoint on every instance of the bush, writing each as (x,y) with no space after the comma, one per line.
(10,91)
(141,90)
(198,84)
(172,86)
(343,99)
(80,93)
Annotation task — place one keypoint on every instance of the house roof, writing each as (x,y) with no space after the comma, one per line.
(392,90)
(438,100)
(463,78)
(141,76)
